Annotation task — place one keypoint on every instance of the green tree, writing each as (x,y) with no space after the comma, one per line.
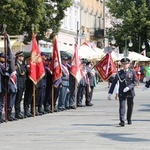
(134,23)
(19,15)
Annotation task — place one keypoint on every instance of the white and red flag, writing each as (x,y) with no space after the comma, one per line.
(75,69)
(143,52)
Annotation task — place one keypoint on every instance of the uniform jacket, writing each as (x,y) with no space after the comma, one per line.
(65,76)
(126,79)
(2,77)
(21,75)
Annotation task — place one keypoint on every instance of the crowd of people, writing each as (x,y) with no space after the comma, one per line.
(20,90)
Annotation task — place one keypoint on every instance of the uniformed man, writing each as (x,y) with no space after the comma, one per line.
(21,76)
(127,82)
(82,84)
(91,85)
(49,83)
(2,84)
(28,90)
(64,84)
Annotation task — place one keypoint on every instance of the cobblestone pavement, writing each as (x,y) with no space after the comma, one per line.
(86,128)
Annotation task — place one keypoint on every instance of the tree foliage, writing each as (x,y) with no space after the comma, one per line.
(135,22)
(19,15)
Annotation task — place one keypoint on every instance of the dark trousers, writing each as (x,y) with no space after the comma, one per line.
(11,100)
(18,99)
(28,97)
(1,101)
(122,107)
(48,95)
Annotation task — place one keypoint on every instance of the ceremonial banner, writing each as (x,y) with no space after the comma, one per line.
(56,65)
(75,69)
(11,62)
(106,67)
(36,65)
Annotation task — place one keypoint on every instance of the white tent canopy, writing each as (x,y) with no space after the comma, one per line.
(133,56)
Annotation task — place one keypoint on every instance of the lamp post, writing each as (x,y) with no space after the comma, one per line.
(126,52)
(78,30)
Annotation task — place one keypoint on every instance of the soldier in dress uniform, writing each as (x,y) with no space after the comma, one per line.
(2,84)
(28,90)
(41,88)
(82,84)
(70,99)
(21,76)
(92,82)
(127,82)
(64,84)
(49,83)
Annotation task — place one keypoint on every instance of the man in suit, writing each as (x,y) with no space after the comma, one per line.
(127,82)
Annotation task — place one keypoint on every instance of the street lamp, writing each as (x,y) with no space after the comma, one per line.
(143,45)
(126,52)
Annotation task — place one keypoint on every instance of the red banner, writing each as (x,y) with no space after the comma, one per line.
(55,65)
(106,67)
(36,65)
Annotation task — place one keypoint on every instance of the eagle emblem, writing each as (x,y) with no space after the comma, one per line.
(35,58)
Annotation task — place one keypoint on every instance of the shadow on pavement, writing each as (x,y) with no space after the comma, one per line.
(122,137)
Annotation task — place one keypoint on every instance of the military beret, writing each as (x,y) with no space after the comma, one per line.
(83,61)
(89,62)
(27,57)
(48,59)
(2,55)
(44,54)
(64,58)
(125,60)
(19,53)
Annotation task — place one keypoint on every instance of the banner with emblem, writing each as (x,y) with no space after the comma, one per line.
(36,65)
(75,69)
(106,67)
(56,65)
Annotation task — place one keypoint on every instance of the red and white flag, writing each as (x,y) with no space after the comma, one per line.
(106,67)
(86,44)
(36,65)
(143,52)
(75,69)
(56,65)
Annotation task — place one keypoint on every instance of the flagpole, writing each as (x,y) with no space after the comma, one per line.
(34,105)
(6,85)
(52,105)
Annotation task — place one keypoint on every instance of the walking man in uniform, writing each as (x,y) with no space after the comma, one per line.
(127,82)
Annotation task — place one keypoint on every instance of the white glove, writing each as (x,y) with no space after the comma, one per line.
(144,88)
(109,96)
(126,89)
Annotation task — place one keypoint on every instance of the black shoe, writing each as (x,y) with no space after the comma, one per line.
(40,110)
(89,104)
(129,122)
(72,107)
(122,124)
(18,116)
(67,108)
(55,109)
(2,120)
(81,105)
(10,118)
